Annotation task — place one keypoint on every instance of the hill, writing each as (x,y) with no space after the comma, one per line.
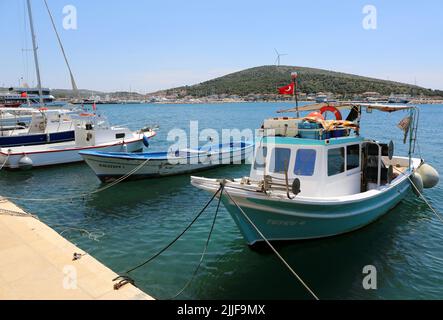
(266,79)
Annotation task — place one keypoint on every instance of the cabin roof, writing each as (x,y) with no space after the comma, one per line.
(350,105)
(312,142)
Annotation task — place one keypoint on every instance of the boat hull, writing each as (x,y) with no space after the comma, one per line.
(279,220)
(33,139)
(61,153)
(110,168)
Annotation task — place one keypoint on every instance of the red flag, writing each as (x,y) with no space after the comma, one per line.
(289,89)
(94,107)
(23,94)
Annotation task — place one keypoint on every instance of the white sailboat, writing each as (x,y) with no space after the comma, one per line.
(92,132)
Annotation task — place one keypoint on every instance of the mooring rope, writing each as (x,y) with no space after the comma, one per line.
(95,236)
(204,250)
(421,195)
(4,162)
(124,278)
(272,248)
(14,213)
(84,195)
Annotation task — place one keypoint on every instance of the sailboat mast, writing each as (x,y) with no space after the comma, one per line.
(34,49)
(74,85)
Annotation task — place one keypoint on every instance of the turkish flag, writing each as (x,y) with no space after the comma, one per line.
(289,89)
(23,94)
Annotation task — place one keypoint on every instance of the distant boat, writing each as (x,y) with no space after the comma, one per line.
(400,99)
(92,132)
(109,166)
(30,97)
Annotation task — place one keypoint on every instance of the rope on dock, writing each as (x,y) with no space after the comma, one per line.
(273,249)
(15,213)
(124,278)
(85,195)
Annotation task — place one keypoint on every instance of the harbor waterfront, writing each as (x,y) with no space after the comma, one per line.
(133,220)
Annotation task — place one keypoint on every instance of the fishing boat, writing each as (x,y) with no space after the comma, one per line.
(314,178)
(91,132)
(109,166)
(45,126)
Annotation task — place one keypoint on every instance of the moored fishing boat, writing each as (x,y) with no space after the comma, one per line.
(314,178)
(92,132)
(109,166)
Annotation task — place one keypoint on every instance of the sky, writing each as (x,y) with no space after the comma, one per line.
(149,45)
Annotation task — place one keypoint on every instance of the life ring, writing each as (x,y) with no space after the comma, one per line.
(333,110)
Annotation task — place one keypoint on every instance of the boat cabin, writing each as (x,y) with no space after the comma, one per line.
(94,129)
(328,157)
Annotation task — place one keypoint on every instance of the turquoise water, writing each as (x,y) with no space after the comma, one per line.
(133,220)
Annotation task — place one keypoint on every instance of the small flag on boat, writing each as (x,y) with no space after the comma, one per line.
(289,89)
(94,107)
(23,94)
(404,125)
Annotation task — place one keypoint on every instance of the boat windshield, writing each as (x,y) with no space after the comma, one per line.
(260,157)
(305,162)
(280,160)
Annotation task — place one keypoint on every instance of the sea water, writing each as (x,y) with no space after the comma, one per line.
(131,221)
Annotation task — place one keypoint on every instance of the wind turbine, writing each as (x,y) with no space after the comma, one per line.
(277,60)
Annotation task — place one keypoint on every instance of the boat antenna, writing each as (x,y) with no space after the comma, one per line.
(34,49)
(294,76)
(74,85)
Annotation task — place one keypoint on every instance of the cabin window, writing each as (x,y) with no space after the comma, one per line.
(305,162)
(352,157)
(336,161)
(260,157)
(280,160)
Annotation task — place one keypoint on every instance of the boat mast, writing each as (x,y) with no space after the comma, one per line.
(294,76)
(74,85)
(34,49)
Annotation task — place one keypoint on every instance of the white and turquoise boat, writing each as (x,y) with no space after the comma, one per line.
(314,178)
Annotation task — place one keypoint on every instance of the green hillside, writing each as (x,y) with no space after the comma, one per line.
(265,80)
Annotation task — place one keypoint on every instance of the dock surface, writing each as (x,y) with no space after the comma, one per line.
(37,263)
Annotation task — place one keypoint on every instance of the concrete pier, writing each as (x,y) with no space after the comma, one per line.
(37,263)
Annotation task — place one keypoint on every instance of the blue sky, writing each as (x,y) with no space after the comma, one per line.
(151,45)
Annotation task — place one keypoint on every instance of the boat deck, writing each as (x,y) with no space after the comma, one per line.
(37,263)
